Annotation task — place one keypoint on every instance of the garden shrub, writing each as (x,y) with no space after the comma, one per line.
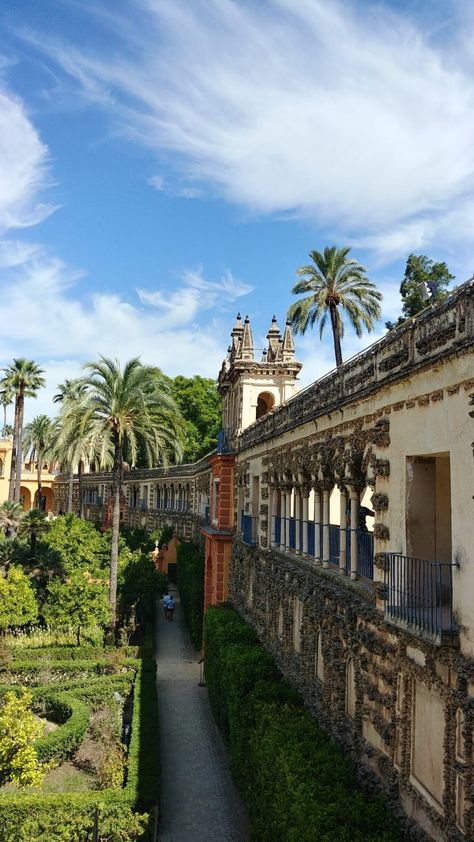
(190,580)
(295,780)
(69,817)
(73,717)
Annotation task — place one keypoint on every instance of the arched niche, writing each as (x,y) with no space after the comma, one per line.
(265,402)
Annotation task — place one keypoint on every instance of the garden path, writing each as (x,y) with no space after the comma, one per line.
(199,802)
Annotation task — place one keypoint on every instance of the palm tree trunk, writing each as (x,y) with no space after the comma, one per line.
(4,417)
(11,488)
(336,334)
(70,489)
(81,496)
(19,448)
(117,479)
(38,473)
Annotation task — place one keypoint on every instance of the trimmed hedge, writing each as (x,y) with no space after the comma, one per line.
(190,580)
(69,817)
(296,782)
(73,716)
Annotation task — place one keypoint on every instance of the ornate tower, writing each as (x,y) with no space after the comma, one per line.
(251,388)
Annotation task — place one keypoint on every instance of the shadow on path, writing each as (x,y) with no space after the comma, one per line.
(199,802)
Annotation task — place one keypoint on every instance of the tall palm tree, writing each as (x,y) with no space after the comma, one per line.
(37,441)
(334,282)
(124,411)
(6,398)
(11,515)
(68,452)
(23,378)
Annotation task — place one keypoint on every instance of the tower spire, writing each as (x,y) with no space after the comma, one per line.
(288,345)
(274,339)
(247,341)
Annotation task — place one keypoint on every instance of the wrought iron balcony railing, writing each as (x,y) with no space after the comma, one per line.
(418,595)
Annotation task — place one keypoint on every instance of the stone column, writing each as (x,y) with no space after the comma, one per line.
(304,548)
(287,521)
(325,527)
(282,519)
(297,520)
(343,532)
(317,526)
(354,496)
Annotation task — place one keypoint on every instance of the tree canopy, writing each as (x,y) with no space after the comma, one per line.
(421,269)
(201,408)
(331,283)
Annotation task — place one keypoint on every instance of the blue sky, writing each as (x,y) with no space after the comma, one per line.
(166,163)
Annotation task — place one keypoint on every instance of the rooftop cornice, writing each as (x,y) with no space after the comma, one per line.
(438,332)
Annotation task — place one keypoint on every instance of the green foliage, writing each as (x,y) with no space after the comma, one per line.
(421,269)
(137,538)
(17,601)
(11,515)
(143,774)
(140,585)
(19,763)
(334,283)
(77,543)
(201,407)
(297,783)
(72,714)
(79,602)
(32,524)
(190,579)
(69,817)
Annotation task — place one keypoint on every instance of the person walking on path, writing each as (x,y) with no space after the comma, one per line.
(170,606)
(166,599)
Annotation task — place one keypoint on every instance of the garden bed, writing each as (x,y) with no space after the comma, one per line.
(88,694)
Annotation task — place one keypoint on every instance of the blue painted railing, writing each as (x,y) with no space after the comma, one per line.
(292,533)
(277,530)
(249,529)
(334,544)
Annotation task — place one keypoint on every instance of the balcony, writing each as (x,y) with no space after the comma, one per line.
(365,543)
(418,596)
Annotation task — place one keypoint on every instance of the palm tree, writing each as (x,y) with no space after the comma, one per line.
(37,441)
(6,398)
(123,411)
(11,516)
(334,281)
(23,378)
(68,453)
(33,523)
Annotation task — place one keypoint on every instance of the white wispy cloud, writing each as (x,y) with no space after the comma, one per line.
(176,192)
(24,167)
(344,112)
(196,294)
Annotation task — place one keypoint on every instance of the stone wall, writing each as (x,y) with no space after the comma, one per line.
(394,701)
